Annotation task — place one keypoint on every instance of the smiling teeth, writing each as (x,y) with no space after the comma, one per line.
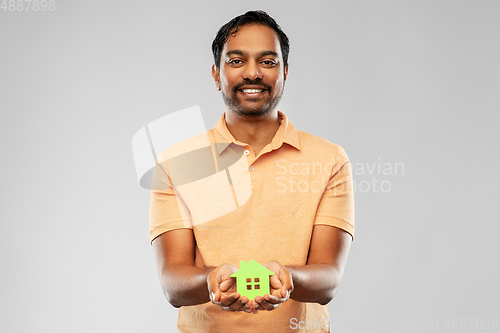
(252,90)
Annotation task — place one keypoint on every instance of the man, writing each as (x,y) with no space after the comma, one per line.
(298,220)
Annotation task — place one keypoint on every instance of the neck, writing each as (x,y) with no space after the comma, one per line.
(257,132)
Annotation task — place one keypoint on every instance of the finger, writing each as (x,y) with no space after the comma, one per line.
(284,286)
(274,299)
(267,306)
(213,289)
(269,302)
(227,300)
(215,296)
(275,282)
(239,305)
(257,303)
(227,284)
(233,303)
(285,281)
(285,293)
(253,306)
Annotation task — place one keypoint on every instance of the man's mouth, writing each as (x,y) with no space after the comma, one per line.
(252,91)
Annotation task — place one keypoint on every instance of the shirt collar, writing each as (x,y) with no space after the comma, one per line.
(286,133)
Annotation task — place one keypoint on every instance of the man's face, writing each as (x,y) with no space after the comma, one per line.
(251,77)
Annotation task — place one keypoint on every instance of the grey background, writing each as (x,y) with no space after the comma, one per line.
(412,82)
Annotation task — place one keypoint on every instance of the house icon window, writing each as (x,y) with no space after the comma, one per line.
(250,285)
(252,279)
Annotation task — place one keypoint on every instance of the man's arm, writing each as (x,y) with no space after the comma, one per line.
(182,283)
(319,279)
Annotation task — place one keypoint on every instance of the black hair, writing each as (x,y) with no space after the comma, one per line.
(250,17)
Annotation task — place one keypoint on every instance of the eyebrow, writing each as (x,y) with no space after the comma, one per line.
(260,54)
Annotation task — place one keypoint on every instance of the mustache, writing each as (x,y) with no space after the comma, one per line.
(248,82)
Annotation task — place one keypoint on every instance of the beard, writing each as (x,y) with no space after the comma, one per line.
(255,107)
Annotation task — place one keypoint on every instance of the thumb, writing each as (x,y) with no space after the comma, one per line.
(216,295)
(213,288)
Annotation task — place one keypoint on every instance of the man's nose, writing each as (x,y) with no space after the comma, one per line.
(252,71)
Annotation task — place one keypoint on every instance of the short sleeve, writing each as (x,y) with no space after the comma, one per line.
(336,207)
(166,210)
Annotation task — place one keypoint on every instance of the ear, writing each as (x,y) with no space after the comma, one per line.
(286,72)
(215,75)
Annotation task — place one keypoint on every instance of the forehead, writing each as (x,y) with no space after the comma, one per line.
(253,38)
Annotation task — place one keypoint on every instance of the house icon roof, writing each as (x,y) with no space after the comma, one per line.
(250,269)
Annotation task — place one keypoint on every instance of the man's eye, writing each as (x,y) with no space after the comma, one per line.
(268,62)
(236,62)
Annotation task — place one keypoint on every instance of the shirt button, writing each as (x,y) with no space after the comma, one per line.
(251,168)
(247,152)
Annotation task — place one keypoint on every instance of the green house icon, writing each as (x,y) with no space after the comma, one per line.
(252,279)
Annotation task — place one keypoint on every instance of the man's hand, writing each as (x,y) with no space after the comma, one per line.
(281,288)
(222,290)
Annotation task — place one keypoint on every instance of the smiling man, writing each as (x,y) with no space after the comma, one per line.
(298,220)
(256,48)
